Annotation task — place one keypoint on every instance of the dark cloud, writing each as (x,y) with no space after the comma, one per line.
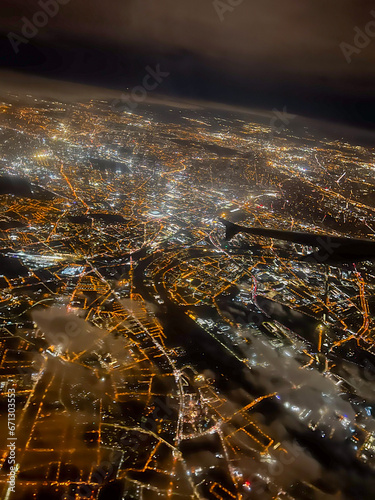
(262,54)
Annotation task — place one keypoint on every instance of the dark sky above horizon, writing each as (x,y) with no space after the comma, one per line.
(262,53)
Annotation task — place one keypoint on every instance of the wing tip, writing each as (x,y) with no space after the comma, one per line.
(231,229)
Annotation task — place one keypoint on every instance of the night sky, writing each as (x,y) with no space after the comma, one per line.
(258,54)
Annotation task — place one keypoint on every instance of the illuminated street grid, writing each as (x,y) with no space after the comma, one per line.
(110,221)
